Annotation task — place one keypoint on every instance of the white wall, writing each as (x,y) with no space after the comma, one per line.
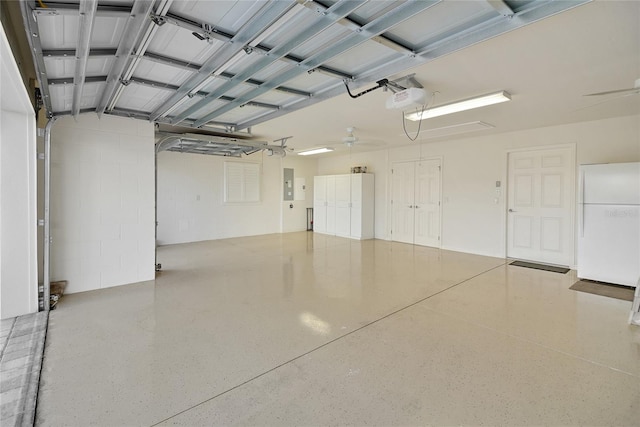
(471,221)
(191,203)
(18,222)
(102,202)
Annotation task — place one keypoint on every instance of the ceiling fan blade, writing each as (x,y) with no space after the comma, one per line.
(609,92)
(609,100)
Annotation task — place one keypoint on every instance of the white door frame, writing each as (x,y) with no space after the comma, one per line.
(572,195)
(440,159)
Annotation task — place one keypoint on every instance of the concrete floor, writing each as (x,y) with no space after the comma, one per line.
(304,329)
(21,346)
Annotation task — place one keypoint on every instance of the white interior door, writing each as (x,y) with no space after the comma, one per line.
(427,203)
(402,202)
(540,205)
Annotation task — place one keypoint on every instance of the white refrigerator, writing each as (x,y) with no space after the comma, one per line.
(609,223)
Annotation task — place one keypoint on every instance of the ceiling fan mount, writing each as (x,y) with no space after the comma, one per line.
(350,138)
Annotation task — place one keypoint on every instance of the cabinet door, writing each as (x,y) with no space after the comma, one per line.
(356,206)
(342,209)
(362,206)
(331,204)
(320,204)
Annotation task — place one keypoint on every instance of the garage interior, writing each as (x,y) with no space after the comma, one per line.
(153,158)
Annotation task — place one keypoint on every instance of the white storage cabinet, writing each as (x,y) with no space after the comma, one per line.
(343,205)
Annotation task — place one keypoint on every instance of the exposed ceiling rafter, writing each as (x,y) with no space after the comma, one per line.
(70,53)
(225,36)
(70,80)
(133,29)
(269,13)
(501,7)
(375,27)
(328,18)
(72,9)
(161,59)
(351,24)
(87,16)
(173,88)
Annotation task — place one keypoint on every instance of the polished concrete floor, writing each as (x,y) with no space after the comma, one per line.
(304,329)
(21,350)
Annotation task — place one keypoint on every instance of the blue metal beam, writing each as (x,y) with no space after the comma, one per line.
(328,18)
(374,28)
(87,14)
(132,31)
(256,25)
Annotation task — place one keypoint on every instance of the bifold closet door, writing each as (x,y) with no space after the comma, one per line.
(402,202)
(416,205)
(427,203)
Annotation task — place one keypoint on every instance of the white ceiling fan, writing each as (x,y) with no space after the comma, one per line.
(350,140)
(623,92)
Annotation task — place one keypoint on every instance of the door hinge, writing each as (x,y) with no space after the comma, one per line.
(392,171)
(438,237)
(40,156)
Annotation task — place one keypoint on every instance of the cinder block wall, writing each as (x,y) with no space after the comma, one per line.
(102,202)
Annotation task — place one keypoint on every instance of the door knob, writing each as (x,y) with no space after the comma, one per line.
(511,210)
(410,206)
(417,207)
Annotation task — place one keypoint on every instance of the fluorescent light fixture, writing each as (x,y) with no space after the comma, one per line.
(452,130)
(315,151)
(455,107)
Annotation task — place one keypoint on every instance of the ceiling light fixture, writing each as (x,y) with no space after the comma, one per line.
(455,107)
(315,151)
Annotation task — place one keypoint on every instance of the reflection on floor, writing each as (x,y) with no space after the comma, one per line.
(304,329)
